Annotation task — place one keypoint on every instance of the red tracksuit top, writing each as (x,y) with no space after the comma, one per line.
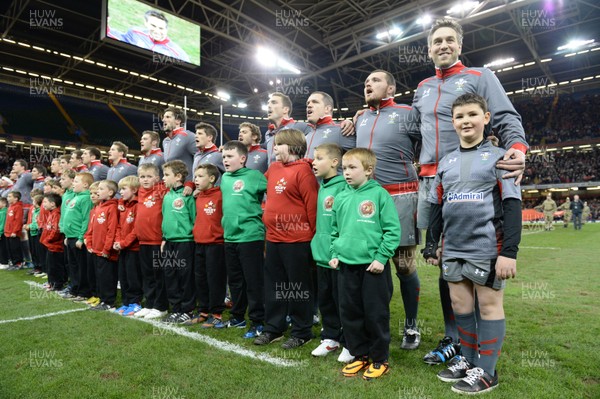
(14,220)
(291,208)
(125,229)
(51,236)
(148,221)
(209,212)
(104,229)
(41,219)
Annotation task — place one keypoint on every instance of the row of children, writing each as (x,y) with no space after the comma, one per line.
(179,252)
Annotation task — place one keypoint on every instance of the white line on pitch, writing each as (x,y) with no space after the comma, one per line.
(223,345)
(41,316)
(555,248)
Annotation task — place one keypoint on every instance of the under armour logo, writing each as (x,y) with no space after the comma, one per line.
(479,272)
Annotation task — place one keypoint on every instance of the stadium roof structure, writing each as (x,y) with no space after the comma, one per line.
(334,44)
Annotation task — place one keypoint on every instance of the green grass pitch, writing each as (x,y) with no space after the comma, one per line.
(550,351)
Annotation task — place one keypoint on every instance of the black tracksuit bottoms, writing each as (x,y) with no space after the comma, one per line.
(365,310)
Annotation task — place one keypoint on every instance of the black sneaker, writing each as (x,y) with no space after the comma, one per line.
(477,381)
(445,351)
(182,318)
(456,371)
(171,317)
(411,339)
(294,342)
(102,306)
(266,338)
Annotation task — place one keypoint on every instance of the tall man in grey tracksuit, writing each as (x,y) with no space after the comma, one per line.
(383,128)
(179,143)
(432,117)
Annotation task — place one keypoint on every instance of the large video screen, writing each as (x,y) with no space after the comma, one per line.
(169,38)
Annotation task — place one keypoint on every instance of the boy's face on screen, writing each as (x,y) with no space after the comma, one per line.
(354,172)
(232,160)
(323,164)
(148,178)
(469,121)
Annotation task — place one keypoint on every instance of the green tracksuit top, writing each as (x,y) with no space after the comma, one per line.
(75,215)
(33,226)
(2,219)
(321,242)
(179,214)
(243,191)
(66,199)
(365,225)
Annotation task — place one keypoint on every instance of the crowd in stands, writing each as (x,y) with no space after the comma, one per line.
(562,167)
(570,119)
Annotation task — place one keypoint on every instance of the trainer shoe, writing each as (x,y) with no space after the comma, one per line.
(376,370)
(122,309)
(67,295)
(411,339)
(254,331)
(352,369)
(132,309)
(182,318)
(477,381)
(96,301)
(79,298)
(196,319)
(456,371)
(155,314)
(170,318)
(232,323)
(345,356)
(89,300)
(34,272)
(326,347)
(142,312)
(102,306)
(212,322)
(295,342)
(267,338)
(445,351)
